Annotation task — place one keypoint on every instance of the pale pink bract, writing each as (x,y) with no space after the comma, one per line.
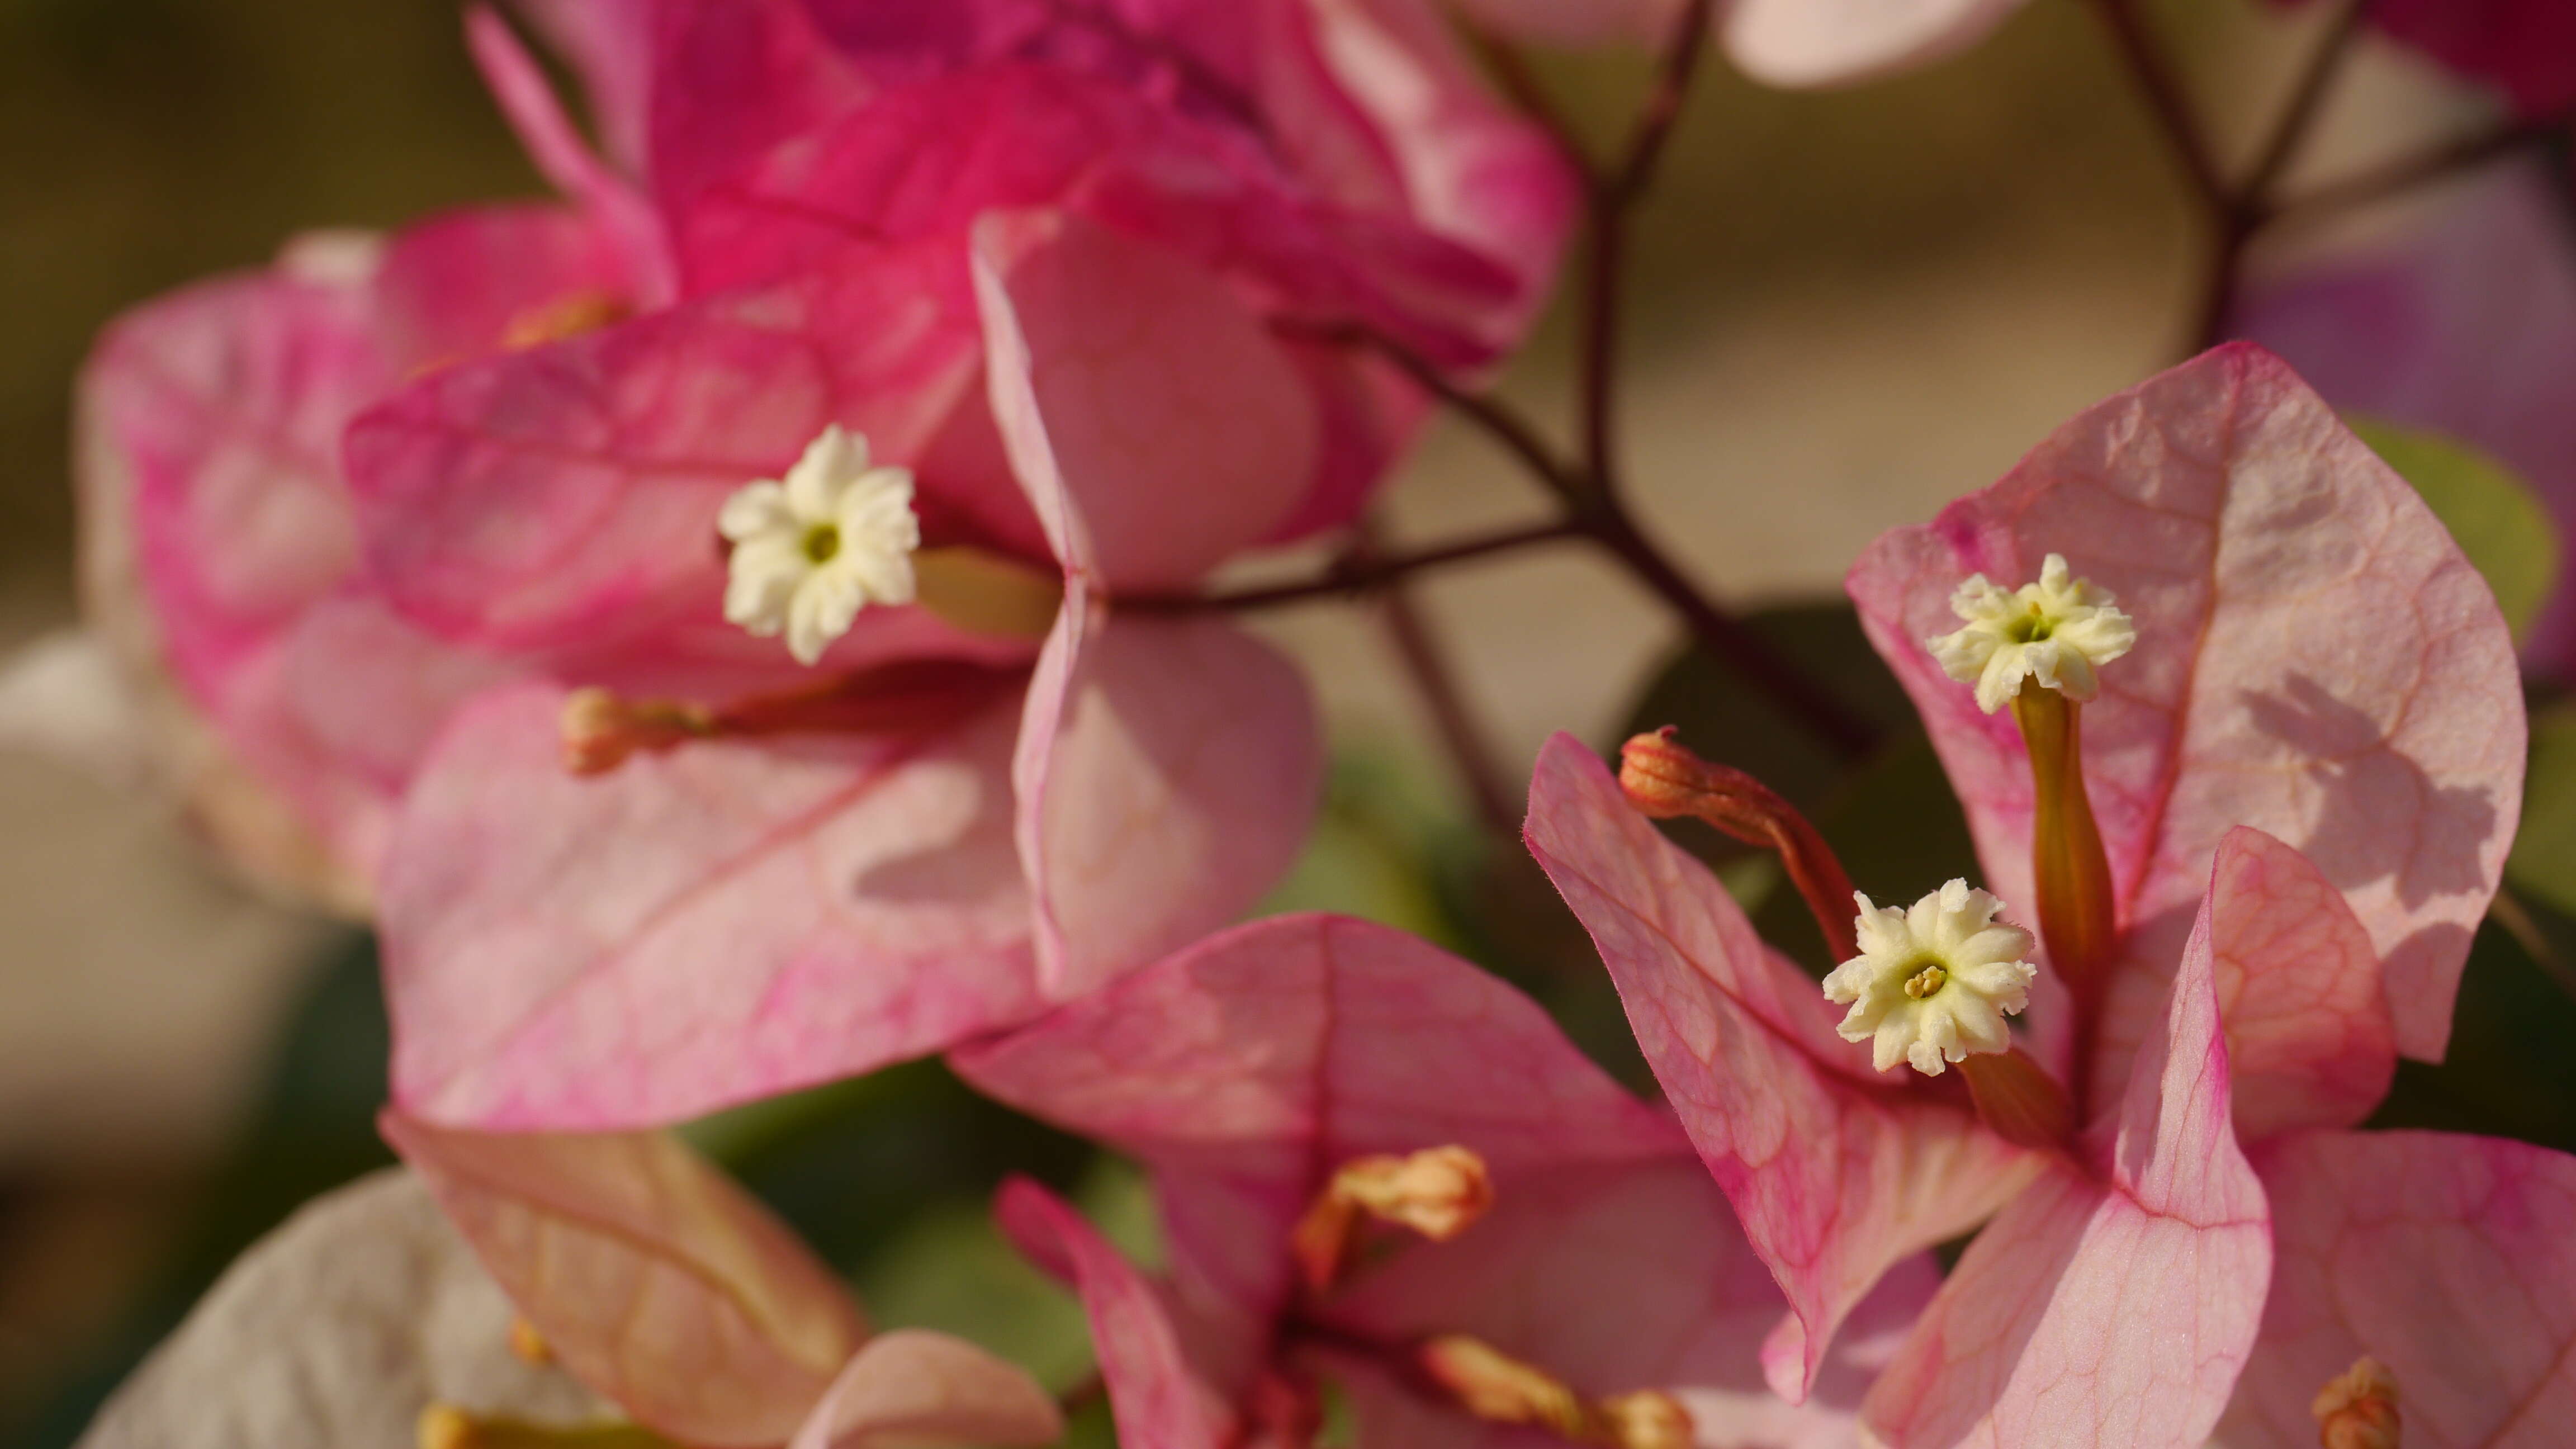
(2316,663)
(1244,1071)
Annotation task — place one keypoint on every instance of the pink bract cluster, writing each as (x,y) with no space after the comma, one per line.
(391,500)
(399,508)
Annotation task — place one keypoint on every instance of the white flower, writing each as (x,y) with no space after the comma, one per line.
(1934,983)
(810,552)
(2057,631)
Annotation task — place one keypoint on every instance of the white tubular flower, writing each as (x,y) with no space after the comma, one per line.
(813,550)
(2058,631)
(1933,984)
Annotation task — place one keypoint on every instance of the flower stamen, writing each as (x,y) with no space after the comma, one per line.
(1438,1192)
(1500,1389)
(1926,981)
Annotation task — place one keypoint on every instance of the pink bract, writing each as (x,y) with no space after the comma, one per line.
(2317,663)
(1794,43)
(2525,48)
(2465,326)
(656,1281)
(741,917)
(1247,1069)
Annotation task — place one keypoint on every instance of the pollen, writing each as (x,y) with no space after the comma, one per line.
(1933,983)
(811,550)
(2059,631)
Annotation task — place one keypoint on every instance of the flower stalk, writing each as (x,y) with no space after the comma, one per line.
(2073,874)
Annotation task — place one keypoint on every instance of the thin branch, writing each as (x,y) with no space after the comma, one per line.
(1479,765)
(2307,98)
(1511,70)
(1613,199)
(1356,571)
(1497,419)
(1726,637)
(2162,90)
(2377,183)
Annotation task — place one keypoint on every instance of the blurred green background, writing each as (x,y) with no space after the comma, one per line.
(1852,306)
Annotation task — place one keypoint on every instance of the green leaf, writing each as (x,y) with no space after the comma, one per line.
(1376,849)
(2543,863)
(2508,1072)
(2489,510)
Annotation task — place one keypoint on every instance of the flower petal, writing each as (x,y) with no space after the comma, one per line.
(1143,390)
(913,1389)
(1160,1400)
(2450,1259)
(564,498)
(729,920)
(1838,42)
(338,1328)
(649,1275)
(2309,1040)
(2315,659)
(1248,1066)
(1166,773)
(1617,1278)
(2110,1308)
(2461,328)
(1835,1176)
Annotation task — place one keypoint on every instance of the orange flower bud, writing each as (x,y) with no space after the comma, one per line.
(1663,780)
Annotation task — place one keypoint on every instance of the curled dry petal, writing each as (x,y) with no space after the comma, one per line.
(911,1388)
(338,1328)
(2315,659)
(2114,1307)
(1835,1175)
(2450,1259)
(649,1275)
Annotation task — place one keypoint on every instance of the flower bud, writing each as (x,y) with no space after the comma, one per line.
(527,1345)
(600,730)
(1663,780)
(2357,1409)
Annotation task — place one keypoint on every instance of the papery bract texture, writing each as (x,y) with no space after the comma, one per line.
(912,1387)
(1250,1066)
(727,921)
(2466,327)
(1161,1401)
(2315,659)
(2309,1038)
(1246,1071)
(1836,1174)
(1617,1279)
(338,1328)
(2114,1307)
(2450,1259)
(648,1274)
